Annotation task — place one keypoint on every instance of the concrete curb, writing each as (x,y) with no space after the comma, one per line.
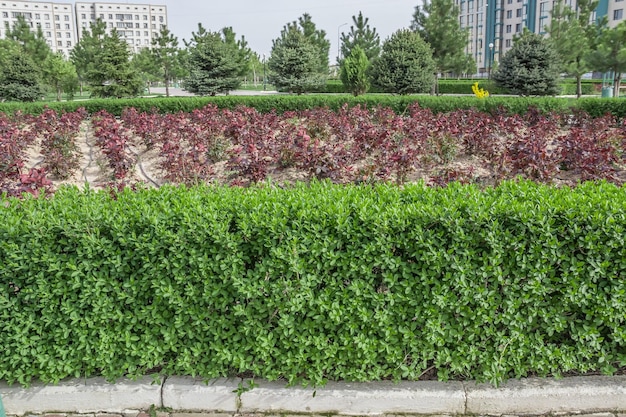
(533,396)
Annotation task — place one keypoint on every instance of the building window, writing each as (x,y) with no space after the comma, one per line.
(59,43)
(518,12)
(145,33)
(67,26)
(68,35)
(508,28)
(518,28)
(507,43)
(69,44)
(618,14)
(37,16)
(47,25)
(145,17)
(57,26)
(83,16)
(66,18)
(145,26)
(48,34)
(161,19)
(5,14)
(154,18)
(509,14)
(46,16)
(154,27)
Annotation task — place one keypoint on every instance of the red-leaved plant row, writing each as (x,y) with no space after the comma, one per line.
(355,144)
(352,145)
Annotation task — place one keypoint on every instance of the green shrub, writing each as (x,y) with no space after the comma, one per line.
(314,283)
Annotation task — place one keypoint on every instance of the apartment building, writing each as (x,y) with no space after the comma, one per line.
(136,23)
(492,24)
(62,24)
(56,20)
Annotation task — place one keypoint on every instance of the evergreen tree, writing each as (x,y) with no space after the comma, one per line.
(145,63)
(437,22)
(19,77)
(60,74)
(33,43)
(405,65)
(112,75)
(354,72)
(610,54)
(294,63)
(244,53)
(360,35)
(530,67)
(166,57)
(83,55)
(315,37)
(213,64)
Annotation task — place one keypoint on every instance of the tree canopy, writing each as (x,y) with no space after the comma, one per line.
(530,67)
(315,37)
(213,64)
(405,65)
(294,63)
(112,75)
(437,22)
(361,35)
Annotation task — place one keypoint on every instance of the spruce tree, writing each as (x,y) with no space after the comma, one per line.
(294,63)
(405,65)
(213,64)
(530,67)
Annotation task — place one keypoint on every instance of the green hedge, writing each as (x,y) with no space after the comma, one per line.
(314,283)
(281,103)
(464,86)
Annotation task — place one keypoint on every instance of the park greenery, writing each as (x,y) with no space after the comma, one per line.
(216,61)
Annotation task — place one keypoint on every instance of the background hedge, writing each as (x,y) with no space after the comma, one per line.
(314,283)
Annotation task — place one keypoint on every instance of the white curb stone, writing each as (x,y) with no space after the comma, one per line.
(81,396)
(543,396)
(422,397)
(193,394)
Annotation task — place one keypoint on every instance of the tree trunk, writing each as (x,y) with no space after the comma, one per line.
(616,82)
(59,92)
(579,86)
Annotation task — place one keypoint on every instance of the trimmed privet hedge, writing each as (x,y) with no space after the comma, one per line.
(314,283)
(281,103)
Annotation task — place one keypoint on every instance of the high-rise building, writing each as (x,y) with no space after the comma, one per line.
(62,24)
(56,20)
(492,24)
(136,23)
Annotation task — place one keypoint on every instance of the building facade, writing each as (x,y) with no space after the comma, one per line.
(492,24)
(62,24)
(138,24)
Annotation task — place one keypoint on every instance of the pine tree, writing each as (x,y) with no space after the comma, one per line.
(360,35)
(294,63)
(33,43)
(84,52)
(113,76)
(530,67)
(405,65)
(244,53)
(354,72)
(213,64)
(165,53)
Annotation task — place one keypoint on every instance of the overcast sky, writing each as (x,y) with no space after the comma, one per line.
(261,21)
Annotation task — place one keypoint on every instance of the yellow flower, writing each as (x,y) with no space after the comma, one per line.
(479,92)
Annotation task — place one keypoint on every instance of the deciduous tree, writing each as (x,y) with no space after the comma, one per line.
(610,54)
(437,22)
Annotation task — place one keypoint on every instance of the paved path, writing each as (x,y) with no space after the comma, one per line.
(604,396)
